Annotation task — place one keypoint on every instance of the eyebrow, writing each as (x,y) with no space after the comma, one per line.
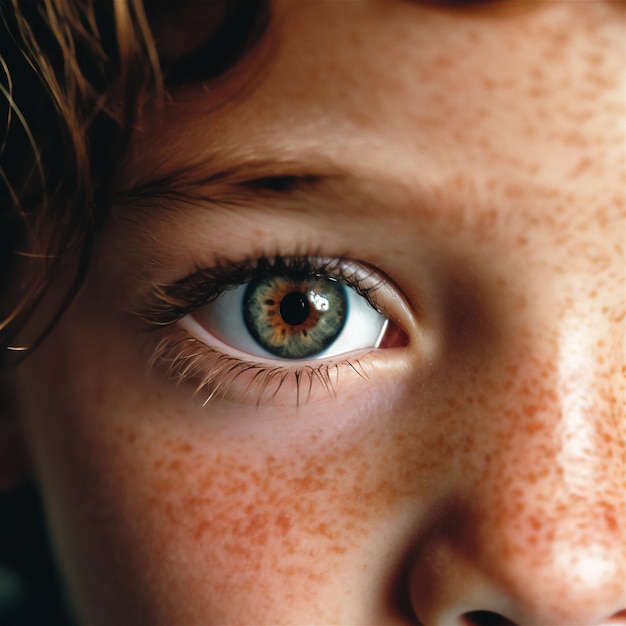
(314,184)
(255,178)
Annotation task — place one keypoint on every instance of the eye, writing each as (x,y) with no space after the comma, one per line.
(263,328)
(290,315)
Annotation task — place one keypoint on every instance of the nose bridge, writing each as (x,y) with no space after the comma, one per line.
(559,411)
(558,510)
(549,518)
(590,392)
(537,534)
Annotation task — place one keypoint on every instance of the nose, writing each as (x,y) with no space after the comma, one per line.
(453,586)
(536,535)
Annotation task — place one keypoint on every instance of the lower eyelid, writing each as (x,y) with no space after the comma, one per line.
(217,376)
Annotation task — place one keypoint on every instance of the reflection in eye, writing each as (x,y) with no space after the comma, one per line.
(293,316)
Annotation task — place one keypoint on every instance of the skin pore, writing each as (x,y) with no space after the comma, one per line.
(475,158)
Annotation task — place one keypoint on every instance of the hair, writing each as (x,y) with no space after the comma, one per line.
(74,78)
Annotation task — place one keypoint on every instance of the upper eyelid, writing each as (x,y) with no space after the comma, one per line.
(169,303)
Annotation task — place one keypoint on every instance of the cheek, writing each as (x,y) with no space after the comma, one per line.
(212,525)
(170,515)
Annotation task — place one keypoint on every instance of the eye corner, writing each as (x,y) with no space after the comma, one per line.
(393,336)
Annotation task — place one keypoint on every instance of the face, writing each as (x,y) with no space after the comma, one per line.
(461,170)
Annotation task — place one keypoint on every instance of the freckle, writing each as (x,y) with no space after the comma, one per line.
(482,400)
(283,521)
(582,165)
(611,522)
(207,483)
(485,144)
(469,444)
(323,529)
(238,549)
(200,529)
(531,429)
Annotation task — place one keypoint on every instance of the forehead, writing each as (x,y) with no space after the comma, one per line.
(365,82)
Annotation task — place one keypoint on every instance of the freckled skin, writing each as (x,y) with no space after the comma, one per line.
(486,477)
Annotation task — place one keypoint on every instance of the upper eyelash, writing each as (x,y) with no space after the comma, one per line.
(170,303)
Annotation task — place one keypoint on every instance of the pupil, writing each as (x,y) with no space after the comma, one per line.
(294,308)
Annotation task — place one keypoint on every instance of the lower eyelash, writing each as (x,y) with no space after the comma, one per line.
(214,373)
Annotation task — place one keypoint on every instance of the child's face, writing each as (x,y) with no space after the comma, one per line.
(474,158)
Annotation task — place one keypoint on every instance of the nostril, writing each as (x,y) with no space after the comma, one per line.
(485,618)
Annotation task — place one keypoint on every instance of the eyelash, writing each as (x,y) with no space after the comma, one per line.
(186,358)
(173,302)
(183,357)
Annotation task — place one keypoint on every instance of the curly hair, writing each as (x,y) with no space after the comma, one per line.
(74,78)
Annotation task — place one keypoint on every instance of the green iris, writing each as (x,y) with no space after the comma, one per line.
(295,317)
